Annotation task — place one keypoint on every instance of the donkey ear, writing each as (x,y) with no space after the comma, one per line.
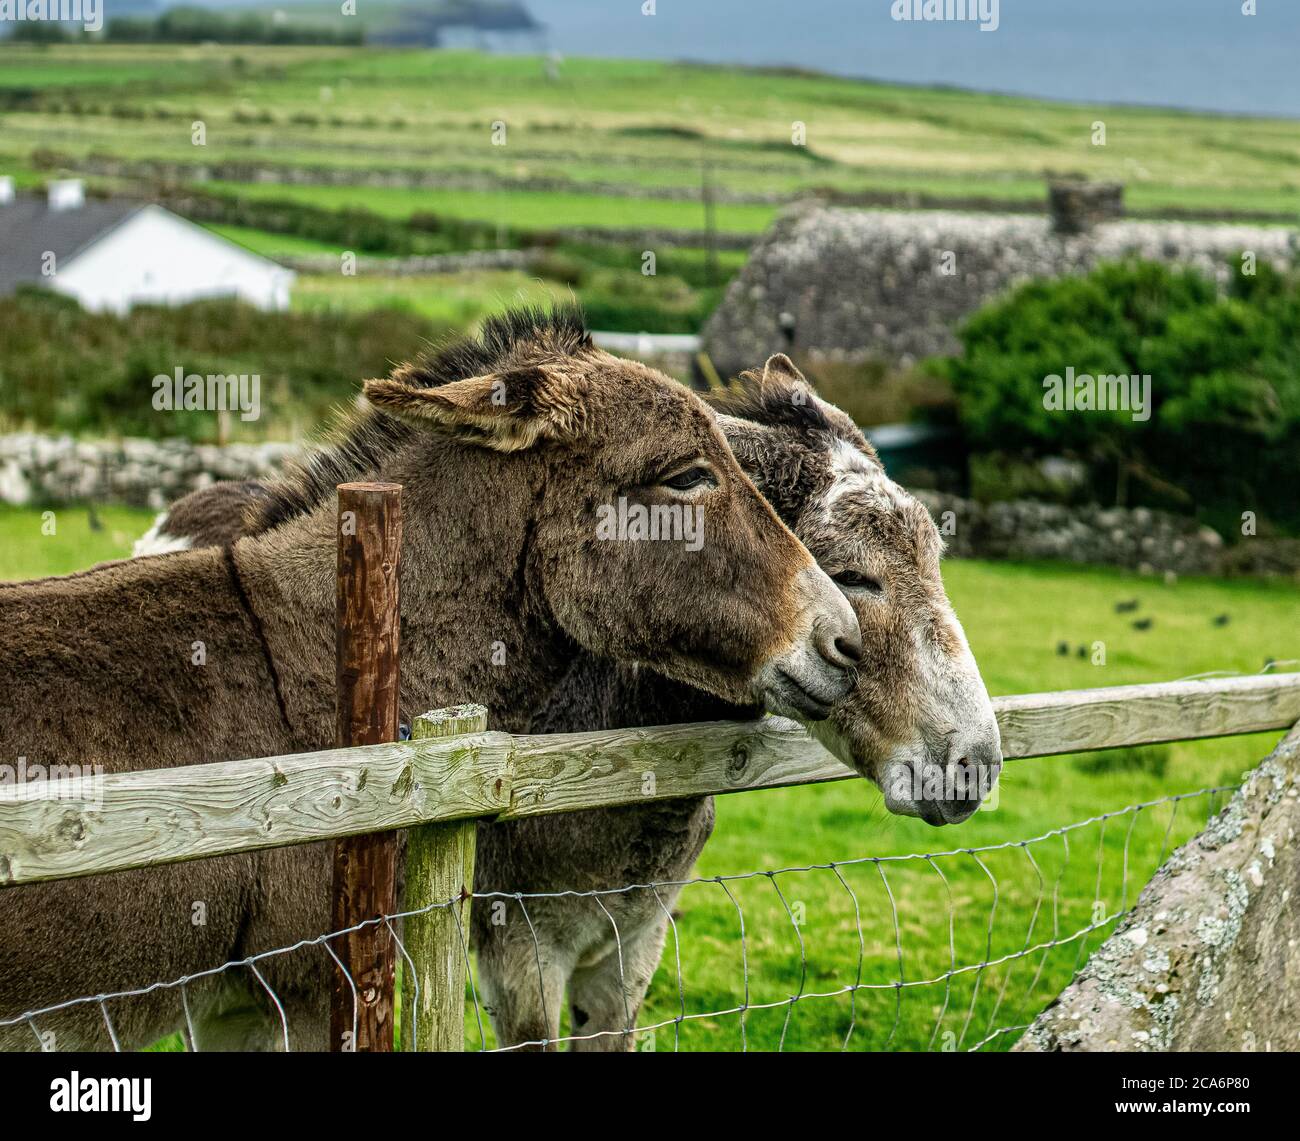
(780,369)
(784,382)
(506,411)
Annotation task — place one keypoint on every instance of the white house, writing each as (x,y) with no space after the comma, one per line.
(111,254)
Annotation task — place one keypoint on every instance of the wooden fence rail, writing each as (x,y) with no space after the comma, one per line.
(453,772)
(146,819)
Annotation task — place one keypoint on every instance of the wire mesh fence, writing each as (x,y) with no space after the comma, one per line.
(953,949)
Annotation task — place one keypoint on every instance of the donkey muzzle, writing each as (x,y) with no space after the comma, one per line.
(945,785)
(817,669)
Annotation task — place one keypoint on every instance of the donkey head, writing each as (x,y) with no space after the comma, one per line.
(644,540)
(918,721)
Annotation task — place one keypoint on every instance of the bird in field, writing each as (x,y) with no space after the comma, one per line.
(1143,623)
(1127,607)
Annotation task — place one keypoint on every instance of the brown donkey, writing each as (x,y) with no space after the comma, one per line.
(918,710)
(507,449)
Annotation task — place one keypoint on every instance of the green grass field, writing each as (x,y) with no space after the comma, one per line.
(634,122)
(1015,616)
(36,544)
(525,210)
(460,299)
(612,140)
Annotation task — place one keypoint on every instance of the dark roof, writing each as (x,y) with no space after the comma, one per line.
(28,228)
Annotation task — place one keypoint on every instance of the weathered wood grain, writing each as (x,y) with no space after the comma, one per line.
(439,867)
(367,681)
(164,816)
(1074,721)
(565,771)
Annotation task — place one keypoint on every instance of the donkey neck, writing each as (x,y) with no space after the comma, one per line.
(475,624)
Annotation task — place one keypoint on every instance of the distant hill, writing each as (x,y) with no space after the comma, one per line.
(310,22)
(425,25)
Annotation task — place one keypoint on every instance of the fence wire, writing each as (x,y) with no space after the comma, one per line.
(911,948)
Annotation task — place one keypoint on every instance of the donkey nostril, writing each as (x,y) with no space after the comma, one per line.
(849,648)
(963,762)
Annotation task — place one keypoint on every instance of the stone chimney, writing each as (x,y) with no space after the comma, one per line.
(66,194)
(6,189)
(1077,205)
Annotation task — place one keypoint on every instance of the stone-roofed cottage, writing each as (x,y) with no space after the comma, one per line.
(893,285)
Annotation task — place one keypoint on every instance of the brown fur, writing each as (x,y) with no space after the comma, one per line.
(603,955)
(204,517)
(498,548)
(786,439)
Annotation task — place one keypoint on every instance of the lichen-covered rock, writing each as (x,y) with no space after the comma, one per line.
(1209,957)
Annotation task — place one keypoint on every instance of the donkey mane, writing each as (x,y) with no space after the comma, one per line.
(367,438)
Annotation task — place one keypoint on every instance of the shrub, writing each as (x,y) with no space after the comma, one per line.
(1225,385)
(65,369)
(625,301)
(353,228)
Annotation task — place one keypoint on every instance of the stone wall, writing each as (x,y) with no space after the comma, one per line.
(1209,957)
(404,178)
(413,266)
(1134,538)
(861,284)
(40,470)
(142,473)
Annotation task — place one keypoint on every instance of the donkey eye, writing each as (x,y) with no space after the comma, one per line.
(856,580)
(689,479)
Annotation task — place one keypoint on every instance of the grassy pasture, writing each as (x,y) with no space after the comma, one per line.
(458,299)
(640,126)
(533,210)
(1015,616)
(637,121)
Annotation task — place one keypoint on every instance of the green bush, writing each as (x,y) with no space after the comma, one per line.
(353,228)
(690,264)
(625,301)
(1225,385)
(65,369)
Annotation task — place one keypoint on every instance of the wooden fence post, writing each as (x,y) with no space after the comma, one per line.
(367,678)
(439,867)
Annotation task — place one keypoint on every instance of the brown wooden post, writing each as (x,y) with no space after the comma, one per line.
(367,679)
(439,867)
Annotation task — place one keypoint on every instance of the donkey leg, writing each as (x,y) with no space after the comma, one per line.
(234,1014)
(522,989)
(605,997)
